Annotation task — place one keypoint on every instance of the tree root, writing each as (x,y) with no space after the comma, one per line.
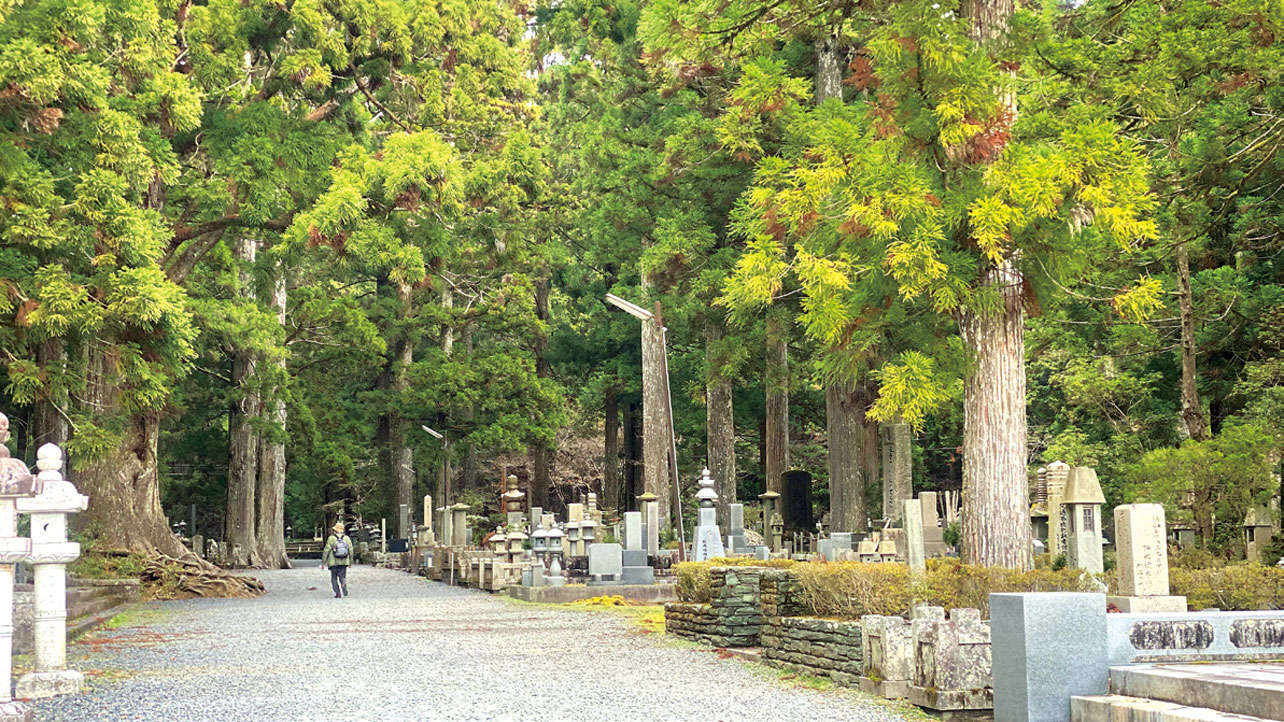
(165,577)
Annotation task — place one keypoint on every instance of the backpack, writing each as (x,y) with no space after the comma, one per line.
(340,548)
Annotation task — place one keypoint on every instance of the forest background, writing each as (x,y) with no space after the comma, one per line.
(250,248)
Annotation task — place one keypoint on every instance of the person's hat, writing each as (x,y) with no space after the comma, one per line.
(338,526)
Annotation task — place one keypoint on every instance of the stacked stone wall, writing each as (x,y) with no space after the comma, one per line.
(732,619)
(819,647)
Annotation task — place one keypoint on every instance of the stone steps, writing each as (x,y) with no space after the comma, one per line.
(1181,692)
(1120,708)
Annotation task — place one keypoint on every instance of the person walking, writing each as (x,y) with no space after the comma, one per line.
(337,555)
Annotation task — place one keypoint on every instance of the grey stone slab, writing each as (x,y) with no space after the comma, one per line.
(633,557)
(605,559)
(633,531)
(637,575)
(736,522)
(1046,648)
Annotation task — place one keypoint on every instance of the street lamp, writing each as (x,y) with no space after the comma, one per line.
(445,463)
(656,318)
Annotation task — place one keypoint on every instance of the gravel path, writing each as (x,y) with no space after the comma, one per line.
(404,648)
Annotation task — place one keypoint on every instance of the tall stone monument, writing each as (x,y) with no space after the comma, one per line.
(708,539)
(1142,553)
(1058,472)
(1082,502)
(913,518)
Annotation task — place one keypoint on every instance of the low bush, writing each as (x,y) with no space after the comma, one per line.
(848,590)
(1238,587)
(693,582)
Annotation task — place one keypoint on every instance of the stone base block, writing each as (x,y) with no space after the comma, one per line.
(14,712)
(638,575)
(633,558)
(898,689)
(952,700)
(35,685)
(1148,605)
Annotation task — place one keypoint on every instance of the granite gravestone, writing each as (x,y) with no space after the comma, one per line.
(796,498)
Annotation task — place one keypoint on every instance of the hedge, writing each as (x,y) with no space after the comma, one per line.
(847,590)
(693,577)
(1246,586)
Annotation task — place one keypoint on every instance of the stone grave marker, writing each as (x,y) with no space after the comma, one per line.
(605,564)
(914,553)
(633,531)
(1142,552)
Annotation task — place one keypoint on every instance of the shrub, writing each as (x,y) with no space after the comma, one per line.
(848,590)
(1238,587)
(693,579)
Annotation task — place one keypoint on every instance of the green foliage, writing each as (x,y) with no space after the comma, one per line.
(1244,586)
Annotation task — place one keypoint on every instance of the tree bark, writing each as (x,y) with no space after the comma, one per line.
(398,458)
(124,490)
(1192,411)
(655,421)
(996,508)
(829,73)
(869,453)
(540,453)
(48,423)
(632,447)
(845,416)
(777,381)
(720,426)
(611,491)
(243,443)
(271,482)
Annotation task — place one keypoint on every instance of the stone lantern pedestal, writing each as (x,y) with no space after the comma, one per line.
(50,554)
(16,482)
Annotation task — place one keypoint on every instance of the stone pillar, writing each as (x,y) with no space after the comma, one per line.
(16,481)
(914,536)
(902,468)
(50,554)
(1141,548)
(1056,475)
(459,525)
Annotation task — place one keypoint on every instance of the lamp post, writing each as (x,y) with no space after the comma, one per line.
(656,318)
(445,463)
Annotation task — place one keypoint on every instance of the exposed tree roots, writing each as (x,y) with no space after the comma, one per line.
(164,577)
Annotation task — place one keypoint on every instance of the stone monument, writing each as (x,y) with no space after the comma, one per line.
(914,553)
(1082,502)
(605,564)
(1142,548)
(1258,531)
(708,539)
(1057,473)
(633,558)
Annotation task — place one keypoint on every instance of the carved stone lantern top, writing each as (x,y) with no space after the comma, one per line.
(16,479)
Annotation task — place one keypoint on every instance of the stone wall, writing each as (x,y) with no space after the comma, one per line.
(89,602)
(733,618)
(819,647)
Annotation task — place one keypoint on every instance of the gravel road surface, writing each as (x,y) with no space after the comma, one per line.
(404,648)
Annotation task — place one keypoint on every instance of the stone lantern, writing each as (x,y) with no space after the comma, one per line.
(16,481)
(1257,533)
(516,540)
(556,550)
(539,543)
(50,554)
(1082,504)
(498,542)
(514,503)
(773,525)
(708,539)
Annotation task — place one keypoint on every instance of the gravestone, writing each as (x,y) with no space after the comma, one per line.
(652,528)
(796,498)
(933,535)
(633,531)
(1142,561)
(708,539)
(736,542)
(1046,648)
(914,553)
(1058,472)
(605,564)
(198,546)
